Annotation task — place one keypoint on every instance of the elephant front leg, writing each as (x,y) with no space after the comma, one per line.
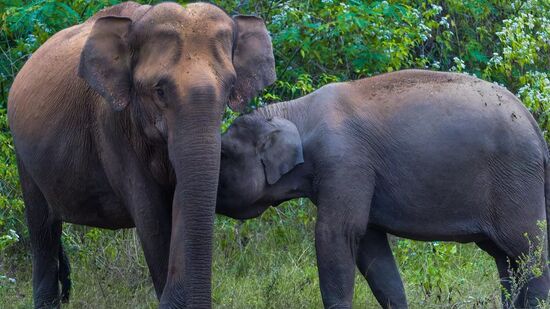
(343,211)
(152,218)
(376,263)
(154,237)
(336,265)
(147,202)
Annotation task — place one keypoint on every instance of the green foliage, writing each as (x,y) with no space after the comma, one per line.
(11,204)
(25,26)
(315,42)
(447,274)
(522,62)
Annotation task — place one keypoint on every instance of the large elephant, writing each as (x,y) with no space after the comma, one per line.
(418,154)
(116,125)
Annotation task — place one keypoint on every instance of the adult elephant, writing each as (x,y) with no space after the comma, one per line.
(116,125)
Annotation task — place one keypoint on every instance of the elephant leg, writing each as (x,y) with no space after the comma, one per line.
(376,263)
(45,241)
(523,290)
(526,245)
(336,265)
(343,210)
(536,289)
(151,213)
(534,286)
(153,224)
(148,204)
(504,267)
(64,275)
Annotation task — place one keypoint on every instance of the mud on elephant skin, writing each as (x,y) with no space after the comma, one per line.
(418,154)
(116,125)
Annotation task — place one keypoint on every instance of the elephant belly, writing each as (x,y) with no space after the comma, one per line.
(460,202)
(85,198)
(98,209)
(428,225)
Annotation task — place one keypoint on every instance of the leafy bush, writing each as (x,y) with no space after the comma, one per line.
(11,204)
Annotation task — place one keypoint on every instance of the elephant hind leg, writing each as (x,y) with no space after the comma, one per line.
(525,244)
(523,287)
(64,275)
(45,241)
(376,263)
(503,267)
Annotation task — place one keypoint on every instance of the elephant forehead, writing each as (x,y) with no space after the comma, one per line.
(201,18)
(202,11)
(160,53)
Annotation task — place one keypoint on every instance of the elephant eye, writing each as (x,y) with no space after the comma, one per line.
(160,88)
(159,91)
(225,154)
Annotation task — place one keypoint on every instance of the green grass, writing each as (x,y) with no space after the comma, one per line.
(264,263)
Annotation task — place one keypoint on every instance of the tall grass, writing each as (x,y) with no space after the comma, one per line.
(264,263)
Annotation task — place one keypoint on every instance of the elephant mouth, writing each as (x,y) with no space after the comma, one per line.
(277,203)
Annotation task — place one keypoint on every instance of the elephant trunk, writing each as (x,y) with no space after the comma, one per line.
(194,149)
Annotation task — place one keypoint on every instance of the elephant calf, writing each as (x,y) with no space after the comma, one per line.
(418,154)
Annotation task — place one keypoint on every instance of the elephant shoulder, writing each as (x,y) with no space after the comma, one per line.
(331,93)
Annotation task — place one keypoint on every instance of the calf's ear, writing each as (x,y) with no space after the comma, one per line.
(280,149)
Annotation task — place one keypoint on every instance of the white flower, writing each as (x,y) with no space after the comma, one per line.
(496,59)
(13,235)
(443,22)
(437,8)
(459,65)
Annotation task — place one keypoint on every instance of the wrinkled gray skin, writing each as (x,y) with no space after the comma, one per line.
(116,124)
(418,154)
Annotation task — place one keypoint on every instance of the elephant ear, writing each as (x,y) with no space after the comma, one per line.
(253,60)
(280,149)
(105,60)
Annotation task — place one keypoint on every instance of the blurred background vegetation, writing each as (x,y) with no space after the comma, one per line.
(270,262)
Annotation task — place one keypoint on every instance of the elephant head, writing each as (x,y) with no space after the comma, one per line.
(174,68)
(256,153)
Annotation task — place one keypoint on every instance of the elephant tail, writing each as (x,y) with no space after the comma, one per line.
(64,275)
